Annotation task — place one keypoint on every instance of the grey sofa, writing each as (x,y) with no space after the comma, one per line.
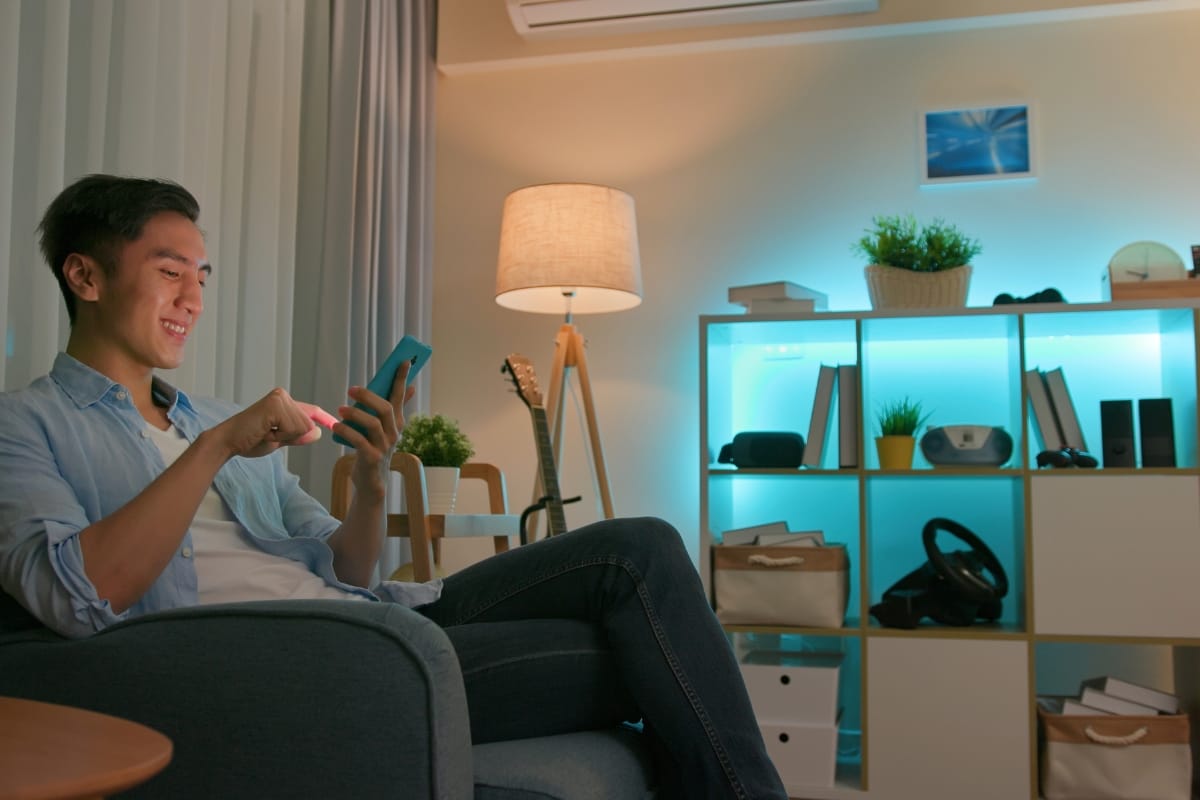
(308,699)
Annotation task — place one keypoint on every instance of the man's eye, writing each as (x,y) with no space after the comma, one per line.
(170,273)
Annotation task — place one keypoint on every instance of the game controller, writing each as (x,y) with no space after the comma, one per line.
(1050,295)
(1067,457)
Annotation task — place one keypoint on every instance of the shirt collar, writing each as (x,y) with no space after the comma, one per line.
(86,386)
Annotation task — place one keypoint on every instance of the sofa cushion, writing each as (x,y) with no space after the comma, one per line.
(611,764)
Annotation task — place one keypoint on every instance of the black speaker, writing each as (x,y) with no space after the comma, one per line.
(764,449)
(1157,425)
(1116,426)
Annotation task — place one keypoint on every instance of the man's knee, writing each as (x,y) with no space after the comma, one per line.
(644,540)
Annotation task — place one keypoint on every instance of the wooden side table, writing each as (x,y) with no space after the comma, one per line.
(53,752)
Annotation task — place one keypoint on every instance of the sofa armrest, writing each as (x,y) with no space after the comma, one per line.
(298,698)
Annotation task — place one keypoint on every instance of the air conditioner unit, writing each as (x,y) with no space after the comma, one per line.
(550,17)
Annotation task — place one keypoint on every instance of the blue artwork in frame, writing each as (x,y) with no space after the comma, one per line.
(977,144)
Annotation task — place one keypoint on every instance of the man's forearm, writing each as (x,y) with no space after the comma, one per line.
(124,553)
(358,542)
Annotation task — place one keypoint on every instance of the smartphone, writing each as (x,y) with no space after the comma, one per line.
(408,349)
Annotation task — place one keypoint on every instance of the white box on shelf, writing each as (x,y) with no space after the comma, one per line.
(793,687)
(804,755)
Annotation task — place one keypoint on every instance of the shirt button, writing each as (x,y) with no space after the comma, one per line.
(187,552)
(144,434)
(120,395)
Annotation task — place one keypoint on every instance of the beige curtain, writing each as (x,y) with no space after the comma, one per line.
(364,262)
(203,93)
(304,128)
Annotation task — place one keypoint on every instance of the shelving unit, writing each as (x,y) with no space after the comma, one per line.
(1101,563)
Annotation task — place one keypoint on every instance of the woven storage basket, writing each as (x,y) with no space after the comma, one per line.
(891,287)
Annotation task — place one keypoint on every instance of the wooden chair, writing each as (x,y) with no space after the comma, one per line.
(424,530)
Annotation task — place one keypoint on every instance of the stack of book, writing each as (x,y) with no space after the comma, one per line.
(1108,695)
(845,378)
(1053,411)
(773,534)
(777,297)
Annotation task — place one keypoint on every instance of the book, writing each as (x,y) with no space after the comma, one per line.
(792,539)
(1064,409)
(749,535)
(1094,698)
(1043,416)
(776,290)
(848,425)
(1165,702)
(785,305)
(1074,708)
(1068,706)
(818,424)
(1051,704)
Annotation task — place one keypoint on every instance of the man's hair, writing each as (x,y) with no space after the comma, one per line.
(97,214)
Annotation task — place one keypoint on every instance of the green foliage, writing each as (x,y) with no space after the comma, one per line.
(899,241)
(436,440)
(901,418)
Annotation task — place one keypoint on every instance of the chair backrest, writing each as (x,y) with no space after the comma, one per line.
(415,523)
(410,468)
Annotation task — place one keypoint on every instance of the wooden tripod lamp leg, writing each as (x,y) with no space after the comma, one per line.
(589,410)
(569,352)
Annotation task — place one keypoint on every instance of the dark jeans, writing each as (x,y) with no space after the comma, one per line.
(651,647)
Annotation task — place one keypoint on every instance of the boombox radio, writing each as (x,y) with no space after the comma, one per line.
(966,446)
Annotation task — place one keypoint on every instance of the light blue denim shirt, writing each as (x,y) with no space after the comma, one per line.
(74,449)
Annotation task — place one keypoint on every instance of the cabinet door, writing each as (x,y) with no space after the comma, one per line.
(947,718)
(1116,555)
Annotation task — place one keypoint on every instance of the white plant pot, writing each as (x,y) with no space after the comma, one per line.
(441,489)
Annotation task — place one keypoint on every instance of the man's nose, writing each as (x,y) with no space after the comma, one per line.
(191,297)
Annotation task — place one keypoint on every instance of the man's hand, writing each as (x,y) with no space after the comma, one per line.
(273,422)
(357,543)
(382,432)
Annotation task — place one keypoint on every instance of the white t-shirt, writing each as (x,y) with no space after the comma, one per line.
(229,568)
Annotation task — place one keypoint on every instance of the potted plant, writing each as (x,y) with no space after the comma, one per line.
(899,422)
(915,266)
(443,448)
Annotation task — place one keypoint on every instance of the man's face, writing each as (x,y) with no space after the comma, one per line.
(151,302)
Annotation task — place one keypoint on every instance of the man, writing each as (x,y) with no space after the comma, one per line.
(120,495)
(132,267)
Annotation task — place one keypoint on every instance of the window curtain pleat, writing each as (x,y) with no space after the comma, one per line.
(363,260)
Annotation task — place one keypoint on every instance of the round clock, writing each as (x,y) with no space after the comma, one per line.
(1146,261)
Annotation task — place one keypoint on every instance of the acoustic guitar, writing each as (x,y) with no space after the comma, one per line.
(520,371)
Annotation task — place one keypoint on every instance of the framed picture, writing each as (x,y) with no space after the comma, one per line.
(988,143)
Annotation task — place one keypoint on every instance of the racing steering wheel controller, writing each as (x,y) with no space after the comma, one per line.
(954,588)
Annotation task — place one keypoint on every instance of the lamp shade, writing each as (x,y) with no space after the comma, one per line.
(569,247)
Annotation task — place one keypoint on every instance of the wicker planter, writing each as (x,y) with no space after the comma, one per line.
(890,287)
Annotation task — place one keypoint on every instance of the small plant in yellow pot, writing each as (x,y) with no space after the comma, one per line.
(899,422)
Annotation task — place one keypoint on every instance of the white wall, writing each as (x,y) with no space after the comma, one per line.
(762,164)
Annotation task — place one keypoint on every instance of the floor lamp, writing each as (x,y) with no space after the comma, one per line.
(570,248)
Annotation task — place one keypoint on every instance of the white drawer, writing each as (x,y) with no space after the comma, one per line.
(793,687)
(804,755)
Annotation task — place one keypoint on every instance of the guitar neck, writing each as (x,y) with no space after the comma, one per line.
(554,509)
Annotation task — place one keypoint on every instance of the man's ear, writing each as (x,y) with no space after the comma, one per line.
(84,275)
